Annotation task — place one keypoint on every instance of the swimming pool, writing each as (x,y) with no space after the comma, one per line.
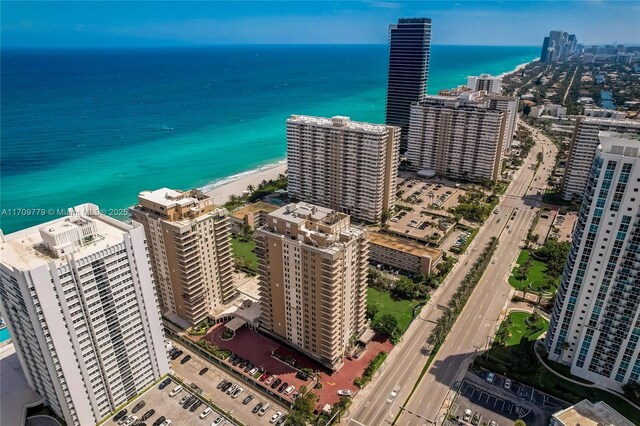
(4,334)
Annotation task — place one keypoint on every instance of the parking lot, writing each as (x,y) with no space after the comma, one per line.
(163,405)
(208,382)
(492,401)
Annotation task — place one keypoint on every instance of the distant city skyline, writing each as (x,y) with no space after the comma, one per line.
(134,24)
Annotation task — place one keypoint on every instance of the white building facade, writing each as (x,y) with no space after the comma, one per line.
(79,300)
(457,138)
(595,326)
(582,150)
(347,166)
(485,82)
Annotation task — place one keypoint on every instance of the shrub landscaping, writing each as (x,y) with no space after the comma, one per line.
(530,275)
(380,303)
(214,350)
(201,328)
(370,370)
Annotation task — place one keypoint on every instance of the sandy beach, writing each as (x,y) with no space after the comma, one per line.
(221,193)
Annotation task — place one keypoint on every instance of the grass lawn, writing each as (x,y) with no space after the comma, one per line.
(401,309)
(517,360)
(245,250)
(536,280)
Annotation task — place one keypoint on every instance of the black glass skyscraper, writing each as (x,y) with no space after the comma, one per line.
(409,46)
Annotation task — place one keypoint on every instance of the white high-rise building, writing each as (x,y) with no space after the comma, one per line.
(344,165)
(595,326)
(583,149)
(485,82)
(80,303)
(460,137)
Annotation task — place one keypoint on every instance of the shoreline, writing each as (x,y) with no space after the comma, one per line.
(221,189)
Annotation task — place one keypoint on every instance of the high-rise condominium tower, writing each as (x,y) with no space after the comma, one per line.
(81,306)
(409,48)
(485,82)
(313,280)
(190,251)
(582,150)
(595,325)
(344,165)
(460,137)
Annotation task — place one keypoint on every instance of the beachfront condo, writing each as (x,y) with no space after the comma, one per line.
(313,280)
(78,296)
(582,150)
(485,82)
(347,166)
(594,325)
(190,251)
(461,137)
(409,50)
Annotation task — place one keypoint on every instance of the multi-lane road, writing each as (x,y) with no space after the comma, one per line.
(476,323)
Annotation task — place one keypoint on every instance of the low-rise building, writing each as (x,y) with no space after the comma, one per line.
(586,413)
(605,113)
(252,215)
(400,253)
(549,110)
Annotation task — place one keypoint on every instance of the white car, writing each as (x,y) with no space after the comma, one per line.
(275,417)
(232,389)
(507,384)
(253,371)
(206,413)
(237,393)
(130,420)
(218,421)
(175,391)
(288,390)
(393,394)
(166,423)
(344,392)
(490,377)
(467,415)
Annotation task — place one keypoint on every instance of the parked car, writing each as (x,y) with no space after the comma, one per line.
(203,371)
(490,377)
(120,415)
(188,402)
(123,420)
(265,375)
(195,405)
(232,389)
(289,389)
(130,420)
(138,406)
(467,415)
(166,382)
(148,414)
(275,417)
(257,408)
(344,392)
(248,367)
(263,410)
(507,384)
(281,420)
(185,359)
(237,393)
(247,399)
(243,363)
(218,421)
(206,413)
(227,386)
(175,391)
(475,420)
(283,386)
(160,420)
(253,371)
(221,384)
(270,379)
(232,357)
(176,355)
(275,383)
(302,375)
(184,399)
(237,361)
(166,423)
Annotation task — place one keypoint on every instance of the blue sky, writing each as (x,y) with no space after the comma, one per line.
(121,24)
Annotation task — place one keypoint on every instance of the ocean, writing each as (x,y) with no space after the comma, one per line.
(102,125)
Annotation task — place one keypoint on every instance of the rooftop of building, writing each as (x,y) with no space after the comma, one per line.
(339,121)
(586,413)
(611,121)
(301,212)
(404,245)
(30,247)
(253,208)
(626,144)
(170,197)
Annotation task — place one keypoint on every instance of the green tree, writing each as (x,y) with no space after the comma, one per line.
(301,412)
(386,325)
(519,422)
(372,310)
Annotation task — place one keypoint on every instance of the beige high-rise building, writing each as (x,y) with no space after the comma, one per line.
(190,251)
(460,137)
(313,280)
(344,165)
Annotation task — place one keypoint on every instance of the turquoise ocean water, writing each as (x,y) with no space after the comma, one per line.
(101,125)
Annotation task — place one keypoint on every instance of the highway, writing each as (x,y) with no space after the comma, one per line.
(476,323)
